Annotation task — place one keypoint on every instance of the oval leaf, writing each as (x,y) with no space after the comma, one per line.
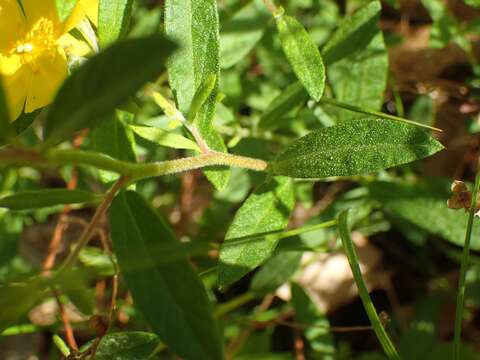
(86,97)
(113,20)
(43,198)
(167,306)
(267,209)
(302,54)
(356,147)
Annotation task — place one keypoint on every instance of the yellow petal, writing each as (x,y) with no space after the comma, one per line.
(73,46)
(16,80)
(83,9)
(38,9)
(49,72)
(12,24)
(91,9)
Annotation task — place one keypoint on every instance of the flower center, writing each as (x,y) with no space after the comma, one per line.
(40,39)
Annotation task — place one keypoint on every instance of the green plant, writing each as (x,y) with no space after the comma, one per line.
(164,96)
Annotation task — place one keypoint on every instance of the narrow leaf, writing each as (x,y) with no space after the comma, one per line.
(353,34)
(136,229)
(164,138)
(426,207)
(49,197)
(113,20)
(303,55)
(353,148)
(203,93)
(86,97)
(65,8)
(242,32)
(194,25)
(267,209)
(349,249)
(275,272)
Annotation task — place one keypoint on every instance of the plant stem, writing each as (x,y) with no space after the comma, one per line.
(360,110)
(233,304)
(463,271)
(90,229)
(349,248)
(271,7)
(133,171)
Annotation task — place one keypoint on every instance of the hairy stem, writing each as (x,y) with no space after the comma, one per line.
(133,171)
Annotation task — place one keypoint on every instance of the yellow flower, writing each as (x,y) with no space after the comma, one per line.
(85,8)
(34,45)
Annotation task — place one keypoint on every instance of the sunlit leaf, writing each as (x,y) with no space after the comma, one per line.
(357,147)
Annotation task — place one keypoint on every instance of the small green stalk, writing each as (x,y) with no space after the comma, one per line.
(377,325)
(463,271)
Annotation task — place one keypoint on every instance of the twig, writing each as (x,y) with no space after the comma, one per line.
(90,230)
(69,335)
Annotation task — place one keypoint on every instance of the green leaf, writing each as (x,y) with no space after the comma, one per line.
(86,97)
(353,34)
(162,292)
(113,20)
(353,148)
(194,25)
(132,345)
(267,209)
(275,272)
(113,137)
(288,99)
(318,331)
(426,207)
(18,298)
(242,32)
(5,127)
(203,93)
(358,72)
(36,199)
(65,8)
(164,138)
(303,55)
